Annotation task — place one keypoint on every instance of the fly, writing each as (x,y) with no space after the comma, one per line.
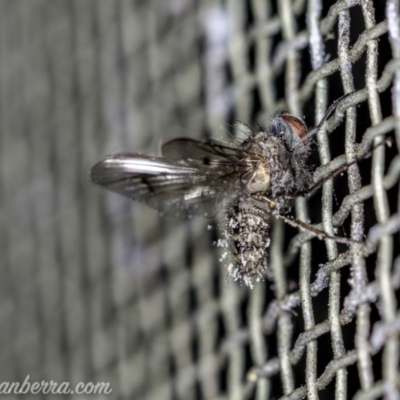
(259,178)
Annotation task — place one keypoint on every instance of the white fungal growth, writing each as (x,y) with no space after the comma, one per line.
(247,237)
(222,243)
(223,256)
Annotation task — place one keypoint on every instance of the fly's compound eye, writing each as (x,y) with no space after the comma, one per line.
(297,125)
(292,131)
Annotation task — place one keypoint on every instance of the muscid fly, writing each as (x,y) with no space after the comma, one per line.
(260,177)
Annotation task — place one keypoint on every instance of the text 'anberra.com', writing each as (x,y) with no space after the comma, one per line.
(52,387)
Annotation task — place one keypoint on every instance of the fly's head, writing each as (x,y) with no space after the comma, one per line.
(292,132)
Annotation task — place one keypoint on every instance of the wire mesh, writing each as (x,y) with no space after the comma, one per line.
(95,288)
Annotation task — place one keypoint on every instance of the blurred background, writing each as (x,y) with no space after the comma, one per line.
(95,288)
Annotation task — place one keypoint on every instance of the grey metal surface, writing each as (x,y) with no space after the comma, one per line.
(95,288)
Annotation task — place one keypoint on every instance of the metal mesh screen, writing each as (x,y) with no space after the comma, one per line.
(96,288)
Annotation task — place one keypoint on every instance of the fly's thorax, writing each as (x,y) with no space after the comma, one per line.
(266,159)
(257,178)
(247,234)
(262,145)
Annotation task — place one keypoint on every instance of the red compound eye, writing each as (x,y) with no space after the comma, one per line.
(297,125)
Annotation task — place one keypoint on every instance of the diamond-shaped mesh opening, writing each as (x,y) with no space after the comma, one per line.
(96,288)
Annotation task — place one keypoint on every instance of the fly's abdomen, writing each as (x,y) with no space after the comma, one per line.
(247,235)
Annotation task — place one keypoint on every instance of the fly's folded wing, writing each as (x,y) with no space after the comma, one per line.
(210,151)
(179,187)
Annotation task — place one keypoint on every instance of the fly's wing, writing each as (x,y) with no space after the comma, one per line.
(175,187)
(210,152)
